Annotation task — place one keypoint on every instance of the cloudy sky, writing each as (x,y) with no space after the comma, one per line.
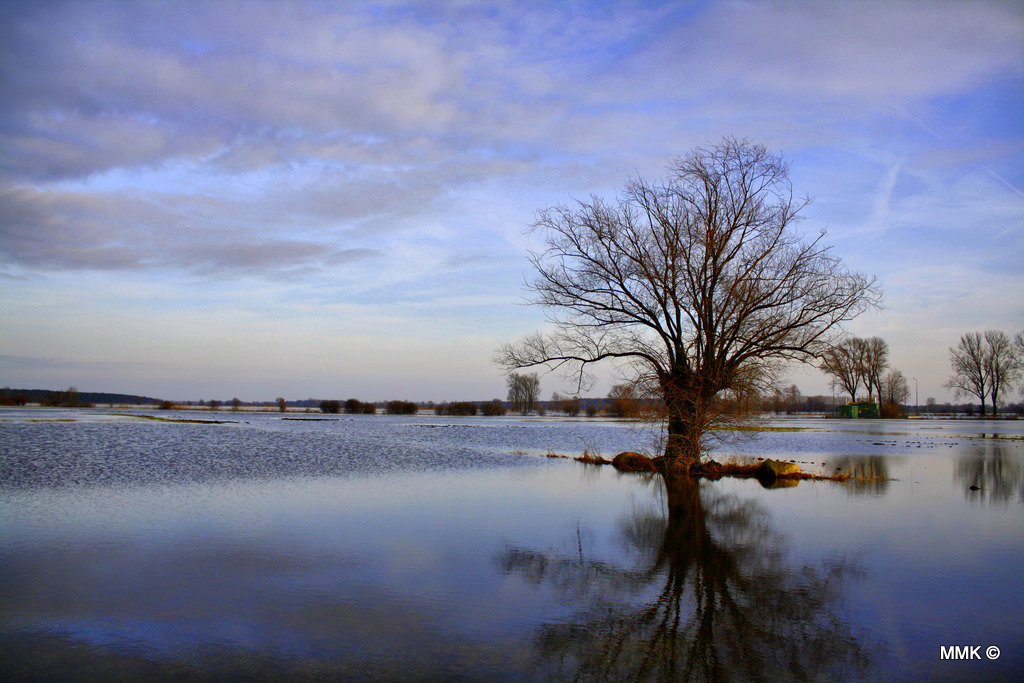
(306,199)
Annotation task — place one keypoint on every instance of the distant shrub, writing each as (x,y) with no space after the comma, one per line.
(354,406)
(570,406)
(165,405)
(456,408)
(591,410)
(331,406)
(463,408)
(401,408)
(622,401)
(493,408)
(891,411)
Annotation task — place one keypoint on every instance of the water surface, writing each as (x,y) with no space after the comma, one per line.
(436,548)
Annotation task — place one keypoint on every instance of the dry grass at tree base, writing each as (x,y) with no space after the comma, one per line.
(715,470)
(637,462)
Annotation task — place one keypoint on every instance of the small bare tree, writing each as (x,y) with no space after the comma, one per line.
(523,391)
(700,283)
(1018,348)
(895,389)
(876,360)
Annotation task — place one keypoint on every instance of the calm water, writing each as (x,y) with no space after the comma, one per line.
(422,548)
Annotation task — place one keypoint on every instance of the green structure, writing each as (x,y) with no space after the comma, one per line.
(865,409)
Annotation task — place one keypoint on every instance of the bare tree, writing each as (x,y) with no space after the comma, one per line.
(894,388)
(1002,364)
(700,282)
(1018,348)
(970,375)
(847,362)
(875,359)
(842,364)
(791,398)
(523,391)
(282,404)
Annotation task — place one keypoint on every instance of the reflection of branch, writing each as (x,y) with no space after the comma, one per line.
(723,606)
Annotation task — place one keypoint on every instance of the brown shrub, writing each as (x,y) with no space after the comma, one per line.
(891,411)
(629,461)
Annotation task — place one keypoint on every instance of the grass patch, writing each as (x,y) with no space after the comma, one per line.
(757,428)
(171,419)
(592,455)
(715,470)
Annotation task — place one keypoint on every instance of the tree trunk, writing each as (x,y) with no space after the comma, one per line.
(688,411)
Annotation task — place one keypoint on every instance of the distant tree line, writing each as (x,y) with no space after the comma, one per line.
(352,406)
(9,396)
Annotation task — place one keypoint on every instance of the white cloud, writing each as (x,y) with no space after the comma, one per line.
(843,49)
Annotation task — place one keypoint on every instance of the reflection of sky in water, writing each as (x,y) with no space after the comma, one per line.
(299,557)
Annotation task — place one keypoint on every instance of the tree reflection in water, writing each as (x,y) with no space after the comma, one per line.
(710,598)
(996,474)
(869,474)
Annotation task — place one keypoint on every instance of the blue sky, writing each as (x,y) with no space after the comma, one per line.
(304,199)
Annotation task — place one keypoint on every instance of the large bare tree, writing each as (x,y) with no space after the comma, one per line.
(1002,363)
(701,282)
(970,371)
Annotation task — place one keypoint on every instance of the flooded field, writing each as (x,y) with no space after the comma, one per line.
(430,548)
